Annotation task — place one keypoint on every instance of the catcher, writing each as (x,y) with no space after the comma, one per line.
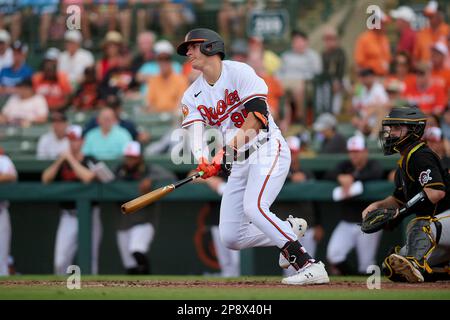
(421,185)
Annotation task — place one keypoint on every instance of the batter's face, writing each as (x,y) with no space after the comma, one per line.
(197,59)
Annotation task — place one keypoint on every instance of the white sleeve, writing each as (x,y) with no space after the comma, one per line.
(198,145)
(250,85)
(190,112)
(6,166)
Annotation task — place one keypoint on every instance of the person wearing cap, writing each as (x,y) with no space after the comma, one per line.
(299,65)
(73,166)
(404,17)
(151,68)
(426,93)
(112,45)
(369,101)
(437,31)
(54,142)
(6,54)
(74,60)
(52,83)
(24,107)
(165,89)
(331,140)
(439,71)
(19,71)
(350,174)
(8,174)
(135,233)
(231,97)
(372,49)
(334,62)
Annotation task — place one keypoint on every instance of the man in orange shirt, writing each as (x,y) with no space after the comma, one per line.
(427,94)
(372,49)
(52,84)
(166,89)
(440,72)
(437,31)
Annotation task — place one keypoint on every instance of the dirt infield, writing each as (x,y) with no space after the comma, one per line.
(344,285)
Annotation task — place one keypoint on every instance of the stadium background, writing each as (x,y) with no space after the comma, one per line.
(34,221)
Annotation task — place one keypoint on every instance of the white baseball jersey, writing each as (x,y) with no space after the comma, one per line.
(222,105)
(6,167)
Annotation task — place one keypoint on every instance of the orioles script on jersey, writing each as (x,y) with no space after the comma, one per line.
(214,115)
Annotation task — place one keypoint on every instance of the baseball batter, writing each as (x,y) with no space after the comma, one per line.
(230,96)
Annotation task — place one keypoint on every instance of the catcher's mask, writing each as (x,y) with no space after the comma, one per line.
(410,118)
(211,43)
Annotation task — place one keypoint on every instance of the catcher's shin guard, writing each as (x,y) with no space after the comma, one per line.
(420,241)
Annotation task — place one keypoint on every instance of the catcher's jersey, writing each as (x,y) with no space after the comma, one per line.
(421,168)
(222,105)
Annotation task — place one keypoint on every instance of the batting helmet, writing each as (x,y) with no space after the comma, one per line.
(211,42)
(412,118)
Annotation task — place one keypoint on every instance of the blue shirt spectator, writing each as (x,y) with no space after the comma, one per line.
(19,71)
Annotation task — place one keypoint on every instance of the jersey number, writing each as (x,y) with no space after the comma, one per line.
(239,117)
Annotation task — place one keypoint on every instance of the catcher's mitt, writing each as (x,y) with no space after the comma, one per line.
(379,219)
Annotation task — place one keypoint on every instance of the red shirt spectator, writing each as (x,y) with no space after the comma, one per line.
(404,16)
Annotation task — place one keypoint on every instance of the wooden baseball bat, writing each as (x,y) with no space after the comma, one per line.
(152,196)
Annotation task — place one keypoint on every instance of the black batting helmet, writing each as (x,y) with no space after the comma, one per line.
(211,42)
(412,118)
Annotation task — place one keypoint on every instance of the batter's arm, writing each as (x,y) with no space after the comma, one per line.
(248,131)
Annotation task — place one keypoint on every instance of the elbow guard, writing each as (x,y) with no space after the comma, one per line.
(259,108)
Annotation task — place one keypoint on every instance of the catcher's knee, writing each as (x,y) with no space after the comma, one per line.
(421,240)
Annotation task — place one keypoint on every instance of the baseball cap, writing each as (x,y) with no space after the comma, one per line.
(73,36)
(356,143)
(431,8)
(433,134)
(404,13)
(163,47)
(52,54)
(440,47)
(294,143)
(394,85)
(325,121)
(132,149)
(4,36)
(19,46)
(113,37)
(74,132)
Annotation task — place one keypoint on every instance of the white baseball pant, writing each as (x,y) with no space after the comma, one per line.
(5,241)
(66,243)
(347,236)
(245,218)
(135,239)
(229,260)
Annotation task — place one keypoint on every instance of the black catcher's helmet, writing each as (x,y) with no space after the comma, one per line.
(211,42)
(412,118)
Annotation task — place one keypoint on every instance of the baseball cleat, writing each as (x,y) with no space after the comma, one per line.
(312,273)
(299,226)
(404,267)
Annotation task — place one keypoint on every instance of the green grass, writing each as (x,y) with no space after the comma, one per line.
(201,290)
